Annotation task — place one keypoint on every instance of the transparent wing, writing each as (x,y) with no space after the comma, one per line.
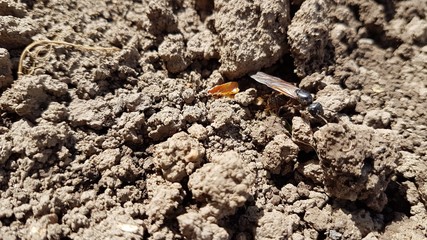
(276,83)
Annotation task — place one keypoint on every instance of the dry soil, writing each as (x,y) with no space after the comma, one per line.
(125,142)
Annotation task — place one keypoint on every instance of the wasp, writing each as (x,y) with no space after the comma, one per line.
(290,90)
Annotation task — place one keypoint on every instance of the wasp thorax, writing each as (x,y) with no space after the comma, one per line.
(304,97)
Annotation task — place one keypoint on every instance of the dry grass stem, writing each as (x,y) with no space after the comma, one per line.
(27,50)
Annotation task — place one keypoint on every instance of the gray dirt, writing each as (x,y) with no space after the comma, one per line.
(128,144)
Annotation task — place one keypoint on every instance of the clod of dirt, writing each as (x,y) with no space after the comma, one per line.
(5,70)
(335,99)
(416,30)
(178,157)
(340,223)
(55,112)
(13,8)
(203,45)
(172,50)
(198,131)
(161,17)
(118,224)
(194,113)
(39,143)
(114,166)
(226,181)
(247,97)
(404,228)
(42,228)
(344,30)
(411,166)
(221,113)
(29,93)
(188,95)
(262,132)
(302,134)
(289,193)
(409,25)
(357,161)
(312,170)
(6,149)
(16,32)
(276,225)
(94,113)
(106,159)
(129,128)
(280,154)
(317,81)
(377,119)
(164,198)
(250,41)
(308,36)
(194,225)
(165,123)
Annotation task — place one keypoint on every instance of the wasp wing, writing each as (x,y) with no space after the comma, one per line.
(276,83)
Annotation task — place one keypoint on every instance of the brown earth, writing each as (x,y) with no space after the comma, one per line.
(127,144)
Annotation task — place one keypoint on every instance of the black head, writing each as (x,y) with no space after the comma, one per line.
(304,97)
(315,109)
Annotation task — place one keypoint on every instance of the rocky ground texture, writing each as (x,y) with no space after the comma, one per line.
(126,143)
